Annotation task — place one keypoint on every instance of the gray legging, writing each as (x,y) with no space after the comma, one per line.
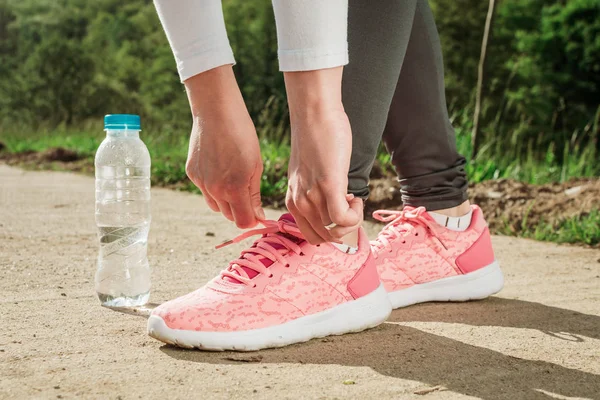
(394,87)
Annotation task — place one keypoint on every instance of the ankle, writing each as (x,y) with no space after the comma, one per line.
(456,218)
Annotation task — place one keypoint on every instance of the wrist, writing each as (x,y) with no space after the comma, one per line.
(314,93)
(213,92)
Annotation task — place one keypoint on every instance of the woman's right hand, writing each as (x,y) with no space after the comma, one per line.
(224,159)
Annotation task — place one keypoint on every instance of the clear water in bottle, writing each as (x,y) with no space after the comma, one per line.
(123,213)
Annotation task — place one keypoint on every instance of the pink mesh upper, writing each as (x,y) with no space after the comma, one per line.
(300,279)
(414,249)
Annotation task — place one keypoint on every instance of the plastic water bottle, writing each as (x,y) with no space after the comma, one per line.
(123,213)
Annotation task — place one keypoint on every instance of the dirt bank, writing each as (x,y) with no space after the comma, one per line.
(511,206)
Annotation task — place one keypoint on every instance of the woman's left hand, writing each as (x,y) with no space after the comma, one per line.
(320,159)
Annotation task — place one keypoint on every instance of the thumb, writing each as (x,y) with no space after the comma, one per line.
(342,211)
(356,206)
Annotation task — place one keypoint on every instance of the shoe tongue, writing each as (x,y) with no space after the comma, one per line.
(265,261)
(406,225)
(287,217)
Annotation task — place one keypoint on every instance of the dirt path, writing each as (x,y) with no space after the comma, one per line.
(539,339)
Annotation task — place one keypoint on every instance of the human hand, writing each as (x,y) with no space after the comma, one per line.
(320,158)
(224,159)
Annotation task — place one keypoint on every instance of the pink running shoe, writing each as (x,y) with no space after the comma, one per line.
(282,290)
(419,260)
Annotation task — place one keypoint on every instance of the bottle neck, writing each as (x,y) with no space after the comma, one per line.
(122,133)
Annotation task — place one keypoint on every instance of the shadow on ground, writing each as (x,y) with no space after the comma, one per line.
(141,311)
(408,353)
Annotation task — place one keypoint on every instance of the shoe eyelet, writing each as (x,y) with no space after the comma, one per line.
(254,285)
(301,254)
(318,245)
(404,242)
(417,234)
(270,276)
(287,265)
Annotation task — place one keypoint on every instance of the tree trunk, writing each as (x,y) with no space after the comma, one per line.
(482,79)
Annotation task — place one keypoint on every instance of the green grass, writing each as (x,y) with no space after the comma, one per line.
(581,229)
(274,180)
(84,143)
(532,167)
(536,167)
(167,150)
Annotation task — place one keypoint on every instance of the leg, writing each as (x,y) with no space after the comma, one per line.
(378,36)
(418,260)
(418,133)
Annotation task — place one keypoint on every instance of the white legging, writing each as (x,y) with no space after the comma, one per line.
(311,34)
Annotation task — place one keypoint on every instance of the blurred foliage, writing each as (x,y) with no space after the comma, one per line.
(66,63)
(74,60)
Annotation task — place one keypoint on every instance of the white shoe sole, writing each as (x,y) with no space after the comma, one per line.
(353,316)
(472,286)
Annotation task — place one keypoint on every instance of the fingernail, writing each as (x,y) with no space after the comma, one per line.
(260,214)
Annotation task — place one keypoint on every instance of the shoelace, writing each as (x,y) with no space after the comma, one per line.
(401,223)
(272,246)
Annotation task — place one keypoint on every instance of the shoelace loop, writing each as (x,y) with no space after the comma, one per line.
(400,223)
(272,246)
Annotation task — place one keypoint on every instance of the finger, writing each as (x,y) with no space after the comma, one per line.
(318,202)
(212,204)
(318,216)
(340,231)
(241,208)
(356,204)
(225,209)
(316,223)
(339,209)
(307,231)
(255,199)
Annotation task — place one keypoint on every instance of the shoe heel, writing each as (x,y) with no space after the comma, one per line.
(479,255)
(366,279)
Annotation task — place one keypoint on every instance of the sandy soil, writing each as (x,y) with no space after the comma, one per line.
(540,338)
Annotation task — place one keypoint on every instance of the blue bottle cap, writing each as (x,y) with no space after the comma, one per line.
(122,121)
